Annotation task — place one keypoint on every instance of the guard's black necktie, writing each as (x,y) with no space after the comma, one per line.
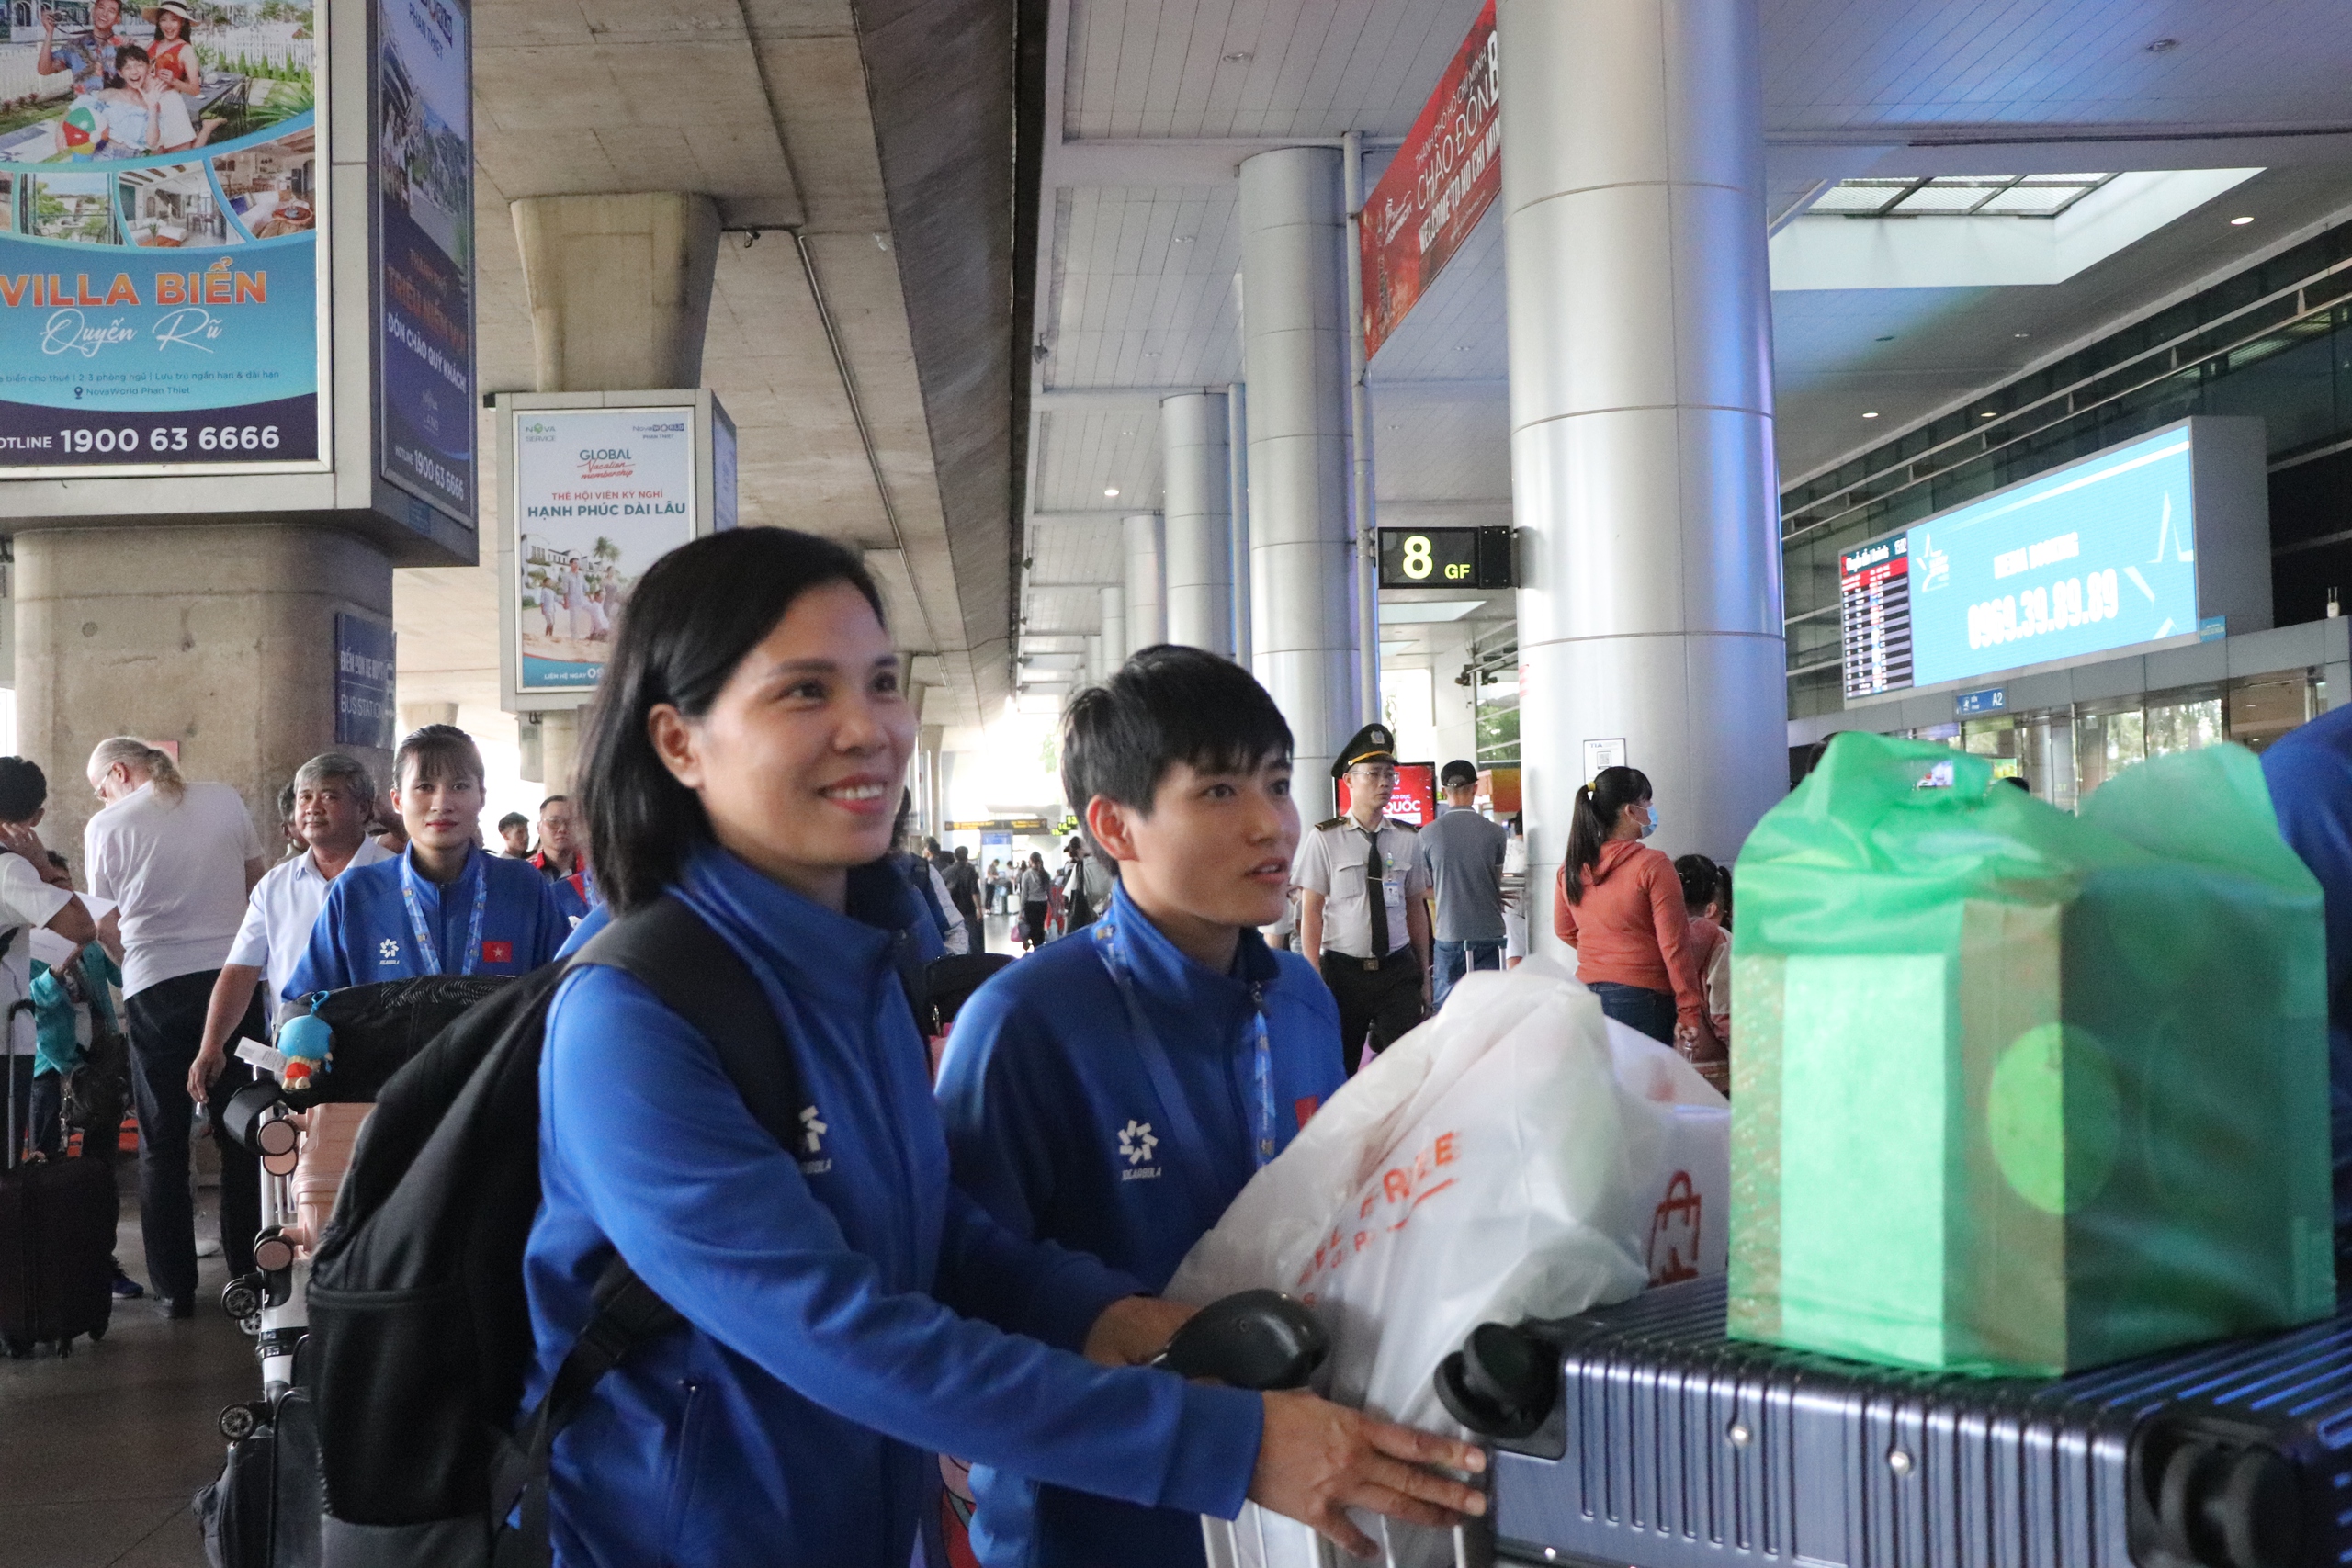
(1376,888)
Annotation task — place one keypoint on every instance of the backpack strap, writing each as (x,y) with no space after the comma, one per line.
(692,971)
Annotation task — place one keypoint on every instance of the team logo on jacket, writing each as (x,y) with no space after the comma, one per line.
(388,951)
(1135,1143)
(812,1142)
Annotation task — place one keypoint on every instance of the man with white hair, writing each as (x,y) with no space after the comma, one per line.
(333,800)
(179,858)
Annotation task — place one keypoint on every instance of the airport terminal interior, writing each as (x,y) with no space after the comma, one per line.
(1559,385)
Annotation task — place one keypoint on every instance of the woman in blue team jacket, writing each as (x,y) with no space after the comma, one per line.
(847,1309)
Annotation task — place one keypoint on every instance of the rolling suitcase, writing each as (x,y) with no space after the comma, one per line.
(1657,1442)
(56,1242)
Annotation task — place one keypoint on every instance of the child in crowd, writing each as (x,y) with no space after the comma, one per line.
(441,906)
(1116,1091)
(1706,894)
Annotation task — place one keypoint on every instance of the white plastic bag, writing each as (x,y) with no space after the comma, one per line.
(1517,1155)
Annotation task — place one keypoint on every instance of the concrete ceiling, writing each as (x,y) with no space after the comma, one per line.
(881,132)
(1155,103)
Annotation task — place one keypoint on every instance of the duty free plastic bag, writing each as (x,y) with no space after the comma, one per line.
(1515,1156)
(2018,1092)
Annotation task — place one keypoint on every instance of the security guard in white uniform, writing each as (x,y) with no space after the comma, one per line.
(1363,911)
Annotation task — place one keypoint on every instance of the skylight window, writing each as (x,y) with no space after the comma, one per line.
(1959,195)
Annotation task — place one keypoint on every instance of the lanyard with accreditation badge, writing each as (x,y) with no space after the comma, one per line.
(1172,1103)
(428,952)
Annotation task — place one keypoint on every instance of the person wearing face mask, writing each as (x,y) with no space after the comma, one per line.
(848,1313)
(1620,905)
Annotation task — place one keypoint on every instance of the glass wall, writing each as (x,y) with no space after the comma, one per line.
(2064,754)
(1498,717)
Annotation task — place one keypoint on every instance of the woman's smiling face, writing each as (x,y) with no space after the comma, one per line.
(798,759)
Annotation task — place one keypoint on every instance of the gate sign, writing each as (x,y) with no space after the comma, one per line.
(1441,183)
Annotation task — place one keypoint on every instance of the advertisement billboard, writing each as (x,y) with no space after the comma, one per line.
(425,250)
(161,253)
(599,494)
(1443,179)
(2096,556)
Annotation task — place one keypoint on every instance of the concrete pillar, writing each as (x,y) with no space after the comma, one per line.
(1198,478)
(1641,412)
(1115,630)
(1095,672)
(1303,642)
(1146,583)
(619,288)
(1237,452)
(217,636)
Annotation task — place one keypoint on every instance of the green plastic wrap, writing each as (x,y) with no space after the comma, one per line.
(2018,1092)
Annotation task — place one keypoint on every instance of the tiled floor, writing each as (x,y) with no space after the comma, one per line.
(100,1452)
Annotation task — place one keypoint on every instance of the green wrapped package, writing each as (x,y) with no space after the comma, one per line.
(2018,1092)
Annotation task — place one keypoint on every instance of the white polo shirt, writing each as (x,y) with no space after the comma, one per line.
(178,867)
(25,901)
(284,906)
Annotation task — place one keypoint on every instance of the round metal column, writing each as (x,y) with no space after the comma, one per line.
(1115,630)
(1146,592)
(1641,412)
(1198,483)
(1303,642)
(1095,673)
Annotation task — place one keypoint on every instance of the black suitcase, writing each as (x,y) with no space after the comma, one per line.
(1664,1445)
(57,1221)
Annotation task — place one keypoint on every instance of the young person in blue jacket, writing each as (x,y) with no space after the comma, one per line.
(442,906)
(849,1313)
(1114,1092)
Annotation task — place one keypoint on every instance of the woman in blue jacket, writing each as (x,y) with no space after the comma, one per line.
(848,1312)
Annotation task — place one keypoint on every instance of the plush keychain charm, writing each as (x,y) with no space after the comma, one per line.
(308,1045)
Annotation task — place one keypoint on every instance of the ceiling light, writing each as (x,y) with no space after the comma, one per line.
(1113,493)
(1460,348)
(2163,46)
(2240,222)
(2020,334)
(1872,414)
(1151,354)
(1183,239)
(1983,416)
(1238,56)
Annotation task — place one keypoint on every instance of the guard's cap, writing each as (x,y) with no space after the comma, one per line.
(1373,743)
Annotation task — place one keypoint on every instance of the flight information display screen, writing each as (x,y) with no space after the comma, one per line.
(2097,556)
(1874,605)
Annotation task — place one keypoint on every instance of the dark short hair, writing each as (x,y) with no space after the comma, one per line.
(553,800)
(1457,772)
(24,789)
(440,752)
(129,52)
(695,615)
(512,820)
(1168,705)
(286,804)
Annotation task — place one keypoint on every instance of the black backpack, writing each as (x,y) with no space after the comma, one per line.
(420,1332)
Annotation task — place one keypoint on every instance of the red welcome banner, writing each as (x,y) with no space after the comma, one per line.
(1441,183)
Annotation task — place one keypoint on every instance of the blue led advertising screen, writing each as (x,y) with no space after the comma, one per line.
(2094,557)
(159,238)
(425,217)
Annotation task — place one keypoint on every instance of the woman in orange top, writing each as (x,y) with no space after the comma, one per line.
(1620,905)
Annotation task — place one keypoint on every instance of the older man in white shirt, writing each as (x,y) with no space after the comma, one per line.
(180,858)
(334,798)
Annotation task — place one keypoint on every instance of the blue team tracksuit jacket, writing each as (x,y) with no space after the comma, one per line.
(363,934)
(2309,774)
(1054,1125)
(848,1308)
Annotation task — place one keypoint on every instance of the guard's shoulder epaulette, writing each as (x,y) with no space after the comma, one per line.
(1400,822)
(1332,823)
